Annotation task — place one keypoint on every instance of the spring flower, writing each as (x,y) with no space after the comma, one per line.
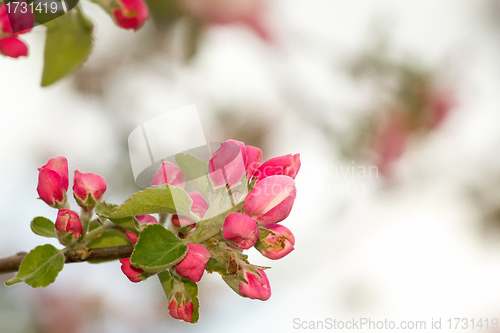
(271,200)
(132,273)
(68,225)
(278,242)
(53,181)
(181,311)
(131,14)
(199,207)
(257,285)
(194,263)
(168,173)
(88,188)
(286,165)
(241,229)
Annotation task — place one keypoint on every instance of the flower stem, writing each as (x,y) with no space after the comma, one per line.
(85,217)
(93,233)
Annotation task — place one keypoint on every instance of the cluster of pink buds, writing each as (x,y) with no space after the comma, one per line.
(236,203)
(53,183)
(12,24)
(215,243)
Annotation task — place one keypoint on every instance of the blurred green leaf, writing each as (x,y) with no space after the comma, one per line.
(67,45)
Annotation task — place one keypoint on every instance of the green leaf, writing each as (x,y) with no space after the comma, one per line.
(40,267)
(42,226)
(108,239)
(157,249)
(157,199)
(195,170)
(67,45)
(104,209)
(129,223)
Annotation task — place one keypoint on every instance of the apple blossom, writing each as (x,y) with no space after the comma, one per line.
(68,225)
(88,188)
(199,207)
(271,200)
(168,173)
(193,264)
(181,311)
(286,165)
(256,286)
(241,229)
(277,243)
(131,14)
(227,166)
(53,181)
(131,272)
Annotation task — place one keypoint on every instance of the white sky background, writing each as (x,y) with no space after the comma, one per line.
(413,253)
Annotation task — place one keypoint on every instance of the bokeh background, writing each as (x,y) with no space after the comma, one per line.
(393,106)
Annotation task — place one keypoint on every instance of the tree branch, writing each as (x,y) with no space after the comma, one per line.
(11,263)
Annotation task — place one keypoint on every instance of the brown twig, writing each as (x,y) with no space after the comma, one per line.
(11,263)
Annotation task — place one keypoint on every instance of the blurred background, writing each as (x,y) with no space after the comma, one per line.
(393,106)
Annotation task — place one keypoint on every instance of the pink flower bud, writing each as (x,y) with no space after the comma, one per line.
(181,221)
(254,157)
(53,181)
(199,207)
(143,221)
(277,243)
(13,47)
(131,272)
(227,166)
(247,12)
(251,157)
(194,263)
(146,219)
(131,14)
(182,311)
(17,21)
(390,142)
(88,188)
(241,229)
(68,222)
(271,200)
(257,285)
(286,165)
(168,173)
